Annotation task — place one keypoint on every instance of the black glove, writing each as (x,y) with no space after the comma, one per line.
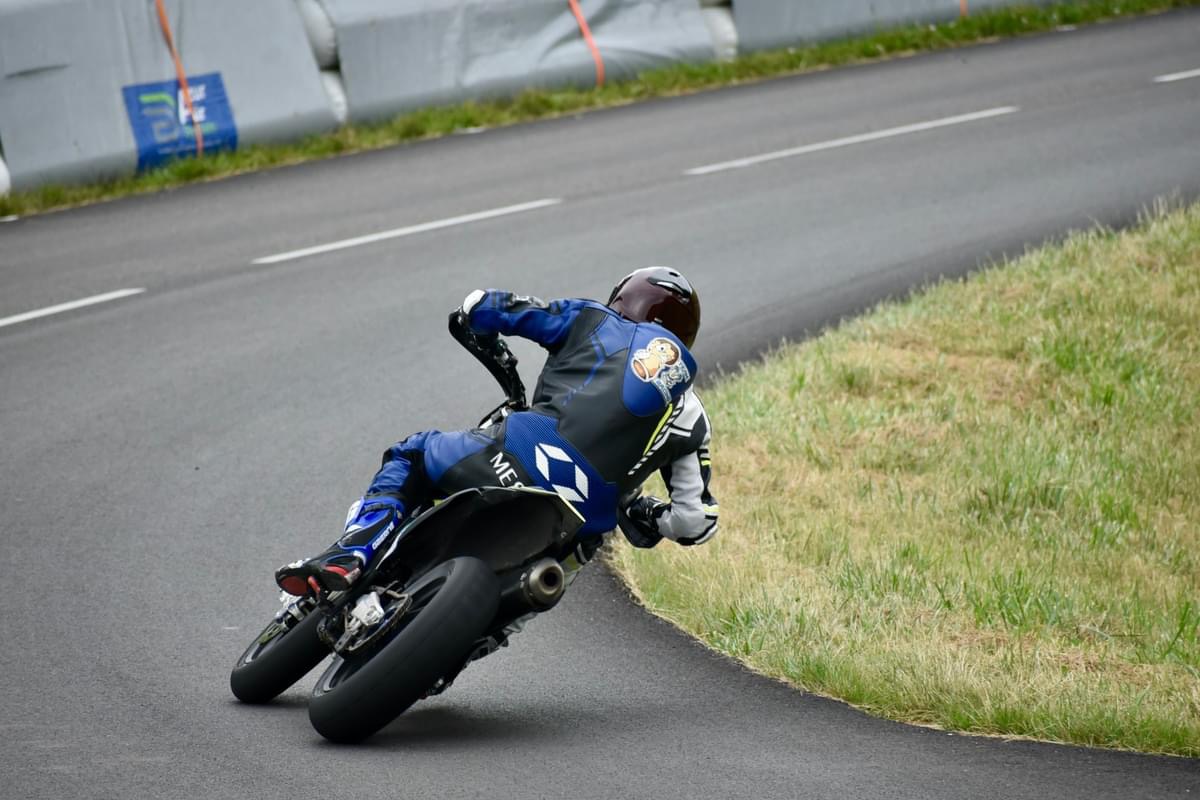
(638,520)
(478,343)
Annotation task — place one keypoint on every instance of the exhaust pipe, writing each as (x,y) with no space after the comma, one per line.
(543,584)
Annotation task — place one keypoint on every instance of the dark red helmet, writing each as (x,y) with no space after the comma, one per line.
(661,295)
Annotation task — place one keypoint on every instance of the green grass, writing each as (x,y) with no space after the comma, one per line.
(540,104)
(978,509)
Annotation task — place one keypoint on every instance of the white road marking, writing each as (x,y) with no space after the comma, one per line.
(409,231)
(1178,76)
(887,133)
(11,218)
(71,306)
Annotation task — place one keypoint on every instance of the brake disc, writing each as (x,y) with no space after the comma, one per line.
(359,638)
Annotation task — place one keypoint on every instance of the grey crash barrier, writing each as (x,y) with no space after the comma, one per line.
(767,24)
(982,5)
(400,56)
(88,90)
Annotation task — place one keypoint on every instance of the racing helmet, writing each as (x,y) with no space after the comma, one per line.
(660,295)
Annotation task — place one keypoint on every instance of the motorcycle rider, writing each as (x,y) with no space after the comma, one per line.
(614,403)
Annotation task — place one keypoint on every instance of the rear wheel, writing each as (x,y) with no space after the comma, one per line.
(280,656)
(451,607)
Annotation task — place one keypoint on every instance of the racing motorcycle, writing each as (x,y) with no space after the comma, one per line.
(449,587)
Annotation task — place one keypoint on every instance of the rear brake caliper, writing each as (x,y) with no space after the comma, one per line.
(369,619)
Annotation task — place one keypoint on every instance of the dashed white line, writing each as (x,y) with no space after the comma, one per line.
(71,306)
(1178,76)
(424,227)
(887,133)
(10,218)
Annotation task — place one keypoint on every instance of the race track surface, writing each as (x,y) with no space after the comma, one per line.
(165,451)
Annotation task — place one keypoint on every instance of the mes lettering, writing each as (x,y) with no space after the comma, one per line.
(504,471)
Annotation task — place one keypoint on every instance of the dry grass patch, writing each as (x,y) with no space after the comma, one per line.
(977,509)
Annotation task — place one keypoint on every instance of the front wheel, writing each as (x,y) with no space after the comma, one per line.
(281,655)
(452,605)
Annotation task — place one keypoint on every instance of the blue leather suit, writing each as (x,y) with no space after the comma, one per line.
(613,404)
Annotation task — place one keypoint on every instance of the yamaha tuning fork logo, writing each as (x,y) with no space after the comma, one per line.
(559,470)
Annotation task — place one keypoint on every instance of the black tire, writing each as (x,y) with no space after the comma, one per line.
(268,668)
(452,606)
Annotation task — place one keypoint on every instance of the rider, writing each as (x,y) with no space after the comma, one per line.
(613,404)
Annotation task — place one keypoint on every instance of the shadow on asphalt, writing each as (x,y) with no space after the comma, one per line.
(291,702)
(464,726)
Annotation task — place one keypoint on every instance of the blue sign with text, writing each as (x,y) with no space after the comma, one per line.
(162,125)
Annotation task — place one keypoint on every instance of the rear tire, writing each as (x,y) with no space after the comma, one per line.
(452,606)
(268,668)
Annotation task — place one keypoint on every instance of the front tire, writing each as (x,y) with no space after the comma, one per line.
(452,606)
(277,659)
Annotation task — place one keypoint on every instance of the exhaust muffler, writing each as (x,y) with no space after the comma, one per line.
(543,584)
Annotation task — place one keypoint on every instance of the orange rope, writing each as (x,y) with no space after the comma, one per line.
(587,37)
(187,93)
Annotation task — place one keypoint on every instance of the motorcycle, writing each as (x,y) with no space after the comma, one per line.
(449,586)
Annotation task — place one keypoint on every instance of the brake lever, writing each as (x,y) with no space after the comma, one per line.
(513,387)
(497,414)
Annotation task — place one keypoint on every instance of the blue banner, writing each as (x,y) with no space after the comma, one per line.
(162,125)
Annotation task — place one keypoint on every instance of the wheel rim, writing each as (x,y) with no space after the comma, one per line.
(422,592)
(272,635)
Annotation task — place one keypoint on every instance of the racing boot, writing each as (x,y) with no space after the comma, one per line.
(368,524)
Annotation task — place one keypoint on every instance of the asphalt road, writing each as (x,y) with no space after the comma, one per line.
(164,452)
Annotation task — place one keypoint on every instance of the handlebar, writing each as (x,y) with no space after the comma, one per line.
(494,354)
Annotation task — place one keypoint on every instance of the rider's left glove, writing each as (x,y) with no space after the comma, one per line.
(638,520)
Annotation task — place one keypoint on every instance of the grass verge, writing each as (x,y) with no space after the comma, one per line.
(539,104)
(978,509)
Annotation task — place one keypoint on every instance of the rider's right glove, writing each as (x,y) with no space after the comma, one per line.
(638,520)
